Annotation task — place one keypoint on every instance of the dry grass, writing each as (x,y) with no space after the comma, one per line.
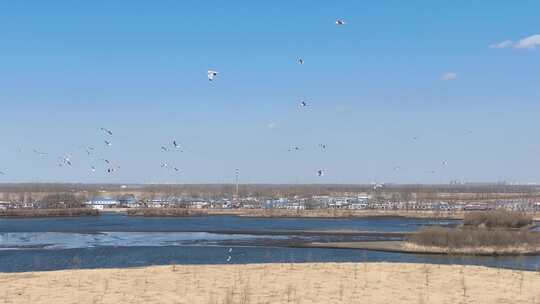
(475,238)
(498,219)
(64,212)
(276,283)
(167,212)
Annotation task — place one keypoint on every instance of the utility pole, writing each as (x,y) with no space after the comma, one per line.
(236,173)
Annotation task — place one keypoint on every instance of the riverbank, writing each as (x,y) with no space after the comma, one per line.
(286,213)
(407,247)
(276,283)
(67,212)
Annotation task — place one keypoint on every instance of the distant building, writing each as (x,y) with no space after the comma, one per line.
(101,203)
(200,205)
(128,201)
(284,203)
(5,205)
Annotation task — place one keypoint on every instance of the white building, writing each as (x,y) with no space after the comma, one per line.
(102,203)
(4,205)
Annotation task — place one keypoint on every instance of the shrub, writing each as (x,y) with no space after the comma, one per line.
(66,212)
(173,212)
(472,238)
(497,219)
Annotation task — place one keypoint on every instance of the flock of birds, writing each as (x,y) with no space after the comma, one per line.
(212,75)
(111,167)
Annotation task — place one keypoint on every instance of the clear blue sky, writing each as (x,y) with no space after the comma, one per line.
(138,68)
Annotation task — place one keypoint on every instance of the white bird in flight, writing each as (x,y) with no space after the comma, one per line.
(66,160)
(177,146)
(108,143)
(212,74)
(303,104)
(88,149)
(340,22)
(39,153)
(377,186)
(320,173)
(106,131)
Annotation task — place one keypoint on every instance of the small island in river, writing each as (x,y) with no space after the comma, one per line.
(482,233)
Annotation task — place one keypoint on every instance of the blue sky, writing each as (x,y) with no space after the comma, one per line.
(139,69)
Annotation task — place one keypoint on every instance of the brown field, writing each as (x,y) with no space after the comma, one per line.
(276,283)
(66,212)
(287,213)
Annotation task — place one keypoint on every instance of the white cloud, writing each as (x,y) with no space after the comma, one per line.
(449,76)
(530,42)
(272,125)
(502,45)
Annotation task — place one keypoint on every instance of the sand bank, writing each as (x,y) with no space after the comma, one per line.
(276,283)
(406,247)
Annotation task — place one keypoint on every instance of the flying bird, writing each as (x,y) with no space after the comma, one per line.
(300,61)
(108,143)
(340,22)
(66,160)
(106,131)
(212,75)
(377,186)
(294,148)
(230,250)
(164,165)
(229,259)
(322,146)
(88,149)
(39,153)
(106,160)
(176,169)
(445,162)
(164,149)
(93,169)
(62,163)
(303,104)
(320,173)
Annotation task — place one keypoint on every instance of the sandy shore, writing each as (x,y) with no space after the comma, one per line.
(406,247)
(275,283)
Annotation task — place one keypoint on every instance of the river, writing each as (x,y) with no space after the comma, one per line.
(116,240)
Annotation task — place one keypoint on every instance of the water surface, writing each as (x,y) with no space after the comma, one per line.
(115,240)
